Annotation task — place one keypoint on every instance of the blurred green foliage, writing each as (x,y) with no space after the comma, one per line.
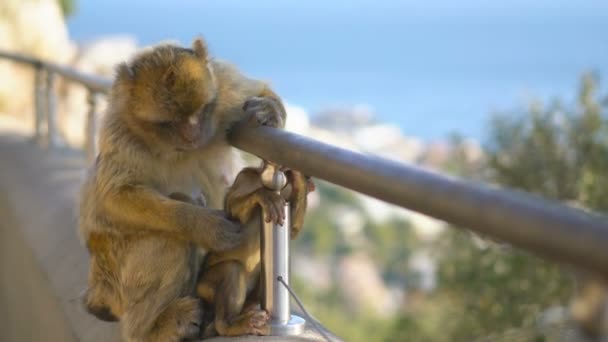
(388,244)
(321,232)
(488,290)
(484,289)
(557,151)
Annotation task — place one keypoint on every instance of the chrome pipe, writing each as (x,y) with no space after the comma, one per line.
(274,249)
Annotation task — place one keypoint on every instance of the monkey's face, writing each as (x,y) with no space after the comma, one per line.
(172,95)
(177,111)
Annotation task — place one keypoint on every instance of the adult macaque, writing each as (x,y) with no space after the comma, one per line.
(164,133)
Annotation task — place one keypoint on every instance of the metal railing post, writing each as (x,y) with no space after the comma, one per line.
(274,249)
(38,102)
(51,110)
(91,126)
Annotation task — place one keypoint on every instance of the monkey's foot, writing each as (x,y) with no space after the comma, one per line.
(256,322)
(265,110)
(187,316)
(249,323)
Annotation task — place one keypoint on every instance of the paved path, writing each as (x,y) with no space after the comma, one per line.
(42,263)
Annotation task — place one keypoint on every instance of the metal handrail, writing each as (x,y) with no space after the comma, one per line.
(546,228)
(45,99)
(94,83)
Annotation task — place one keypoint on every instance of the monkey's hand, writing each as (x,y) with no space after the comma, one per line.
(222,222)
(270,202)
(214,231)
(296,193)
(272,205)
(266,111)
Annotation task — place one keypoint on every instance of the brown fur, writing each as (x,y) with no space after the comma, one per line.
(164,132)
(230,280)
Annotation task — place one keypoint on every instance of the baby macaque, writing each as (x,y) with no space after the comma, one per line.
(230,280)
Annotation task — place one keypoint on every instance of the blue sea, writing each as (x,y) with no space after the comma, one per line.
(431,67)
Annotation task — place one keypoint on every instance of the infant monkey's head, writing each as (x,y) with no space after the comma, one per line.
(167,95)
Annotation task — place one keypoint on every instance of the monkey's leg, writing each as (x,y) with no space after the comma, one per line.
(181,319)
(157,280)
(97,299)
(254,298)
(207,283)
(230,294)
(101,298)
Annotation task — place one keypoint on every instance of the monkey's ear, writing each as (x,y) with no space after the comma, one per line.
(200,48)
(124,72)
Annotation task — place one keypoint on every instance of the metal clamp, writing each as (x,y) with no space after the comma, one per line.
(275,263)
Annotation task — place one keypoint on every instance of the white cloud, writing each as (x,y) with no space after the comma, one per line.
(297,119)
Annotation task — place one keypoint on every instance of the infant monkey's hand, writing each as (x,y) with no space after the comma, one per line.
(272,205)
(265,111)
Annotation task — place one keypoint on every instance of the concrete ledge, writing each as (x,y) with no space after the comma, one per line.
(43,266)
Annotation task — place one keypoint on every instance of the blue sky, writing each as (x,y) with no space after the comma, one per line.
(431,67)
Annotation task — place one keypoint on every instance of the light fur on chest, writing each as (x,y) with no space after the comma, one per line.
(207,176)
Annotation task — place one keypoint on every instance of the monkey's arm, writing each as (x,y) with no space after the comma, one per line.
(140,207)
(297,194)
(246,182)
(239,97)
(248,194)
